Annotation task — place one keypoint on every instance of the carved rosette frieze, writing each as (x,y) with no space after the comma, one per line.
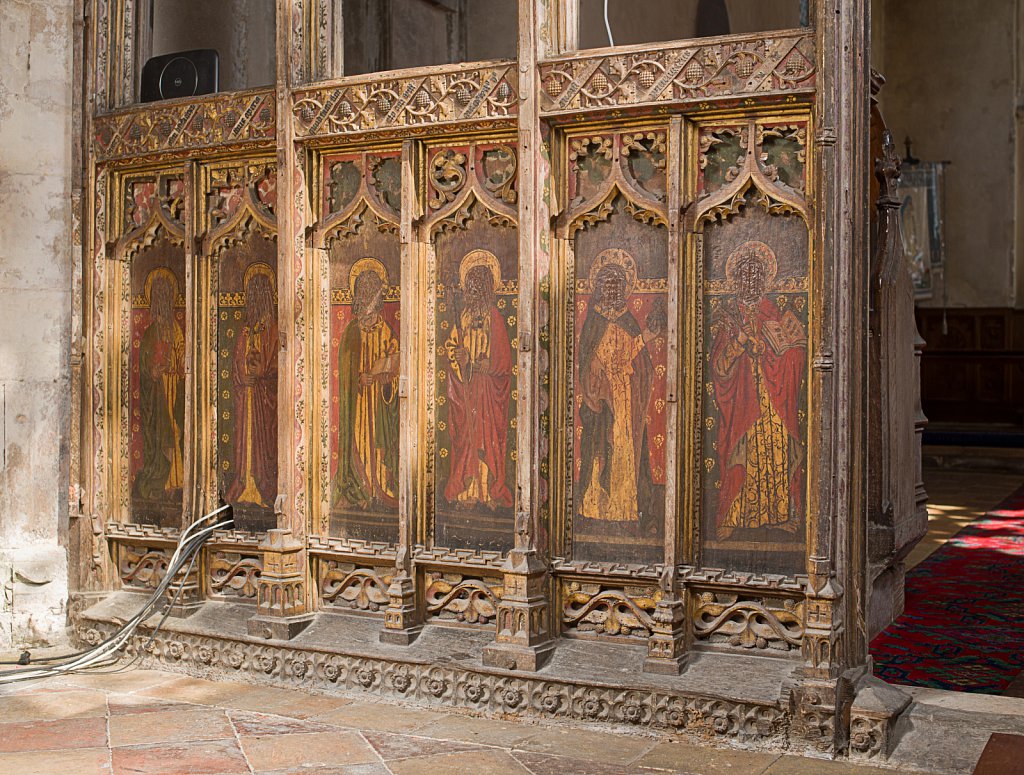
(698,716)
(673,74)
(462,94)
(211,121)
(626,612)
(745,622)
(348,585)
(234,574)
(455,597)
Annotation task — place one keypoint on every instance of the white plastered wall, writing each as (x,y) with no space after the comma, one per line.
(35,313)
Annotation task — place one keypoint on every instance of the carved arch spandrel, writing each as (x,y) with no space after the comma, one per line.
(459,175)
(350,189)
(609,157)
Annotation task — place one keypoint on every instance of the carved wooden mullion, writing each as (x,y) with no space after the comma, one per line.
(190,222)
(668,645)
(403,619)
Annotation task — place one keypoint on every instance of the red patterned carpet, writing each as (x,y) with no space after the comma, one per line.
(963,626)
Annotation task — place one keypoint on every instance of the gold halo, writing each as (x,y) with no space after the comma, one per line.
(367,265)
(260,268)
(757,250)
(616,257)
(161,271)
(476,258)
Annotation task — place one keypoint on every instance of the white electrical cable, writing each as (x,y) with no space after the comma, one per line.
(607,26)
(107,652)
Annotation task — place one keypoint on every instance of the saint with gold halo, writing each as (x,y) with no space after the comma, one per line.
(758,360)
(368,396)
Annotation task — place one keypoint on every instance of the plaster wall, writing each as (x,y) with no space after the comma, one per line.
(950,85)
(36,42)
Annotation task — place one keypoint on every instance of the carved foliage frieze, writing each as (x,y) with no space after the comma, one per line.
(625,612)
(680,73)
(235,574)
(353,586)
(205,122)
(745,622)
(455,597)
(461,94)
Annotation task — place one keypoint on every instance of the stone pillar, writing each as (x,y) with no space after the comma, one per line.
(36,244)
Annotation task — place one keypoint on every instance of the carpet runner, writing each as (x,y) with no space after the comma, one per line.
(963,625)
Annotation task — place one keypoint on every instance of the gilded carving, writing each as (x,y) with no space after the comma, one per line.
(594,608)
(744,622)
(679,73)
(459,598)
(234,574)
(359,105)
(204,122)
(349,585)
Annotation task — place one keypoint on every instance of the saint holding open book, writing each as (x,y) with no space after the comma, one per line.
(758,359)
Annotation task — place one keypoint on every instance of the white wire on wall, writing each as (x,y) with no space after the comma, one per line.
(607,25)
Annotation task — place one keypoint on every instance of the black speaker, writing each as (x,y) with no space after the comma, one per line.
(184,74)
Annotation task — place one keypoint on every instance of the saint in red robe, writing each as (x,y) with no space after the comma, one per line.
(479,389)
(254,377)
(758,359)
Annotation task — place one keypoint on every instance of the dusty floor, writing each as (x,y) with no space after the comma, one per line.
(143,721)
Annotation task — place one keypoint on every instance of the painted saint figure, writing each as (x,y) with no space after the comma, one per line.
(254,379)
(758,359)
(479,377)
(616,377)
(161,393)
(368,396)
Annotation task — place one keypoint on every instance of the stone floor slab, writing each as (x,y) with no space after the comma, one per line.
(544,764)
(602,747)
(83,761)
(48,706)
(481,731)
(380,717)
(681,757)
(64,734)
(282,702)
(170,726)
(463,763)
(390,747)
(316,749)
(209,757)
(796,765)
(259,724)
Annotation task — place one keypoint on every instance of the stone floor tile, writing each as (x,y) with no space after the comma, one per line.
(197,690)
(256,724)
(544,764)
(590,745)
(209,757)
(170,726)
(53,735)
(354,769)
(83,761)
(407,746)
(119,704)
(49,706)
(380,717)
(681,757)
(130,680)
(797,765)
(470,729)
(319,749)
(482,762)
(283,702)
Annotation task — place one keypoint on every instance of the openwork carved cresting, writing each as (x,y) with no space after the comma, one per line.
(461,95)
(209,122)
(679,73)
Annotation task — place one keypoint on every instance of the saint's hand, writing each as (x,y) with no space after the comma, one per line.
(366,379)
(462,357)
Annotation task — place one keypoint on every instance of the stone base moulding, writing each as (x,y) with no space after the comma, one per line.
(583,681)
